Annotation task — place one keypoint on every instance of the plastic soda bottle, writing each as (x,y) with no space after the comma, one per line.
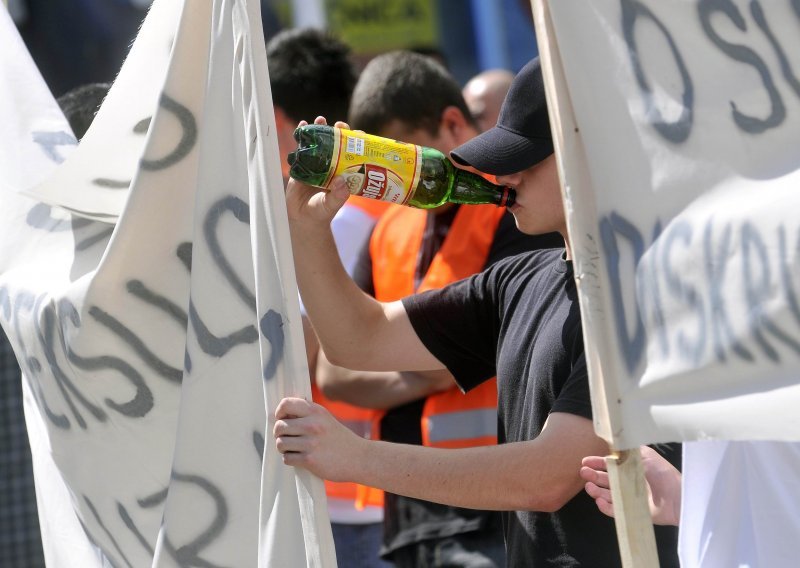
(388,170)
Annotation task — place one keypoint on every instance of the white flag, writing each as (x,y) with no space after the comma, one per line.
(147,287)
(681,129)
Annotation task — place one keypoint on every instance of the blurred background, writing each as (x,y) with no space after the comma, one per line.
(83,41)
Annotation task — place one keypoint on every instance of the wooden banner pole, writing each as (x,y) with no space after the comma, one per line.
(637,542)
(629,492)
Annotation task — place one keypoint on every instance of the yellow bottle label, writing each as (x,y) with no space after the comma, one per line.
(374,167)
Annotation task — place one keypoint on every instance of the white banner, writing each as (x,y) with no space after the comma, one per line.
(680,131)
(148,289)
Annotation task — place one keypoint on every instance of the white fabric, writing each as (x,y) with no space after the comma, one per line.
(152,349)
(99,186)
(740,504)
(679,131)
(36,136)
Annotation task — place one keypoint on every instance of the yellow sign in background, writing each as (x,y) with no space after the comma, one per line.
(372,26)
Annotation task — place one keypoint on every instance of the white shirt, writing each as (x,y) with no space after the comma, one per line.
(741,505)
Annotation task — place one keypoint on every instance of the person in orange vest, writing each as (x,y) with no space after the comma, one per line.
(311,73)
(410,97)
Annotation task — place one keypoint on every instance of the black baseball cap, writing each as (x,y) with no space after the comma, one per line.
(522,135)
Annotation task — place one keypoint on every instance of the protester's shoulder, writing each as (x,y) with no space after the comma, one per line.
(519,275)
(540,261)
(510,241)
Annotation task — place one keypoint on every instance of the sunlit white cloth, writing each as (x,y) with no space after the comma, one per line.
(740,505)
(147,287)
(679,131)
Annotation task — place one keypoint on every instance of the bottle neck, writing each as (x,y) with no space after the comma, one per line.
(472,189)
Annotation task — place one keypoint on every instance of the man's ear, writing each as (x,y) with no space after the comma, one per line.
(284,130)
(455,125)
(282,121)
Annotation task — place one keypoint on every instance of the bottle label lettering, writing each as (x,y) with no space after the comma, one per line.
(355,146)
(374,167)
(375,182)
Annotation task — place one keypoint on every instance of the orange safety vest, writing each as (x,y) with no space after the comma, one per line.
(359,420)
(450,419)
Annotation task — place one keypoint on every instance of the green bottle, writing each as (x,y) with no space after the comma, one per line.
(388,170)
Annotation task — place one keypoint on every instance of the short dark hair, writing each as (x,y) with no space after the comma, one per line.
(404,86)
(310,74)
(80,105)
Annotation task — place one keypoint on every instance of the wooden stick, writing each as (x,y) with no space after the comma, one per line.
(637,541)
(631,509)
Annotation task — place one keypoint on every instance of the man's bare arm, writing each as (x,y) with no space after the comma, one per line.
(537,475)
(312,345)
(380,390)
(354,329)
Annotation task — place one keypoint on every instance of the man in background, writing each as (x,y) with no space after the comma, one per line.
(485,93)
(80,105)
(311,74)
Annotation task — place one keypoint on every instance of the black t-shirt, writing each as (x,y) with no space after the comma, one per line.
(520,320)
(408,520)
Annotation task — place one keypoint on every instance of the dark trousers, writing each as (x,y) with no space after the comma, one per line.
(467,550)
